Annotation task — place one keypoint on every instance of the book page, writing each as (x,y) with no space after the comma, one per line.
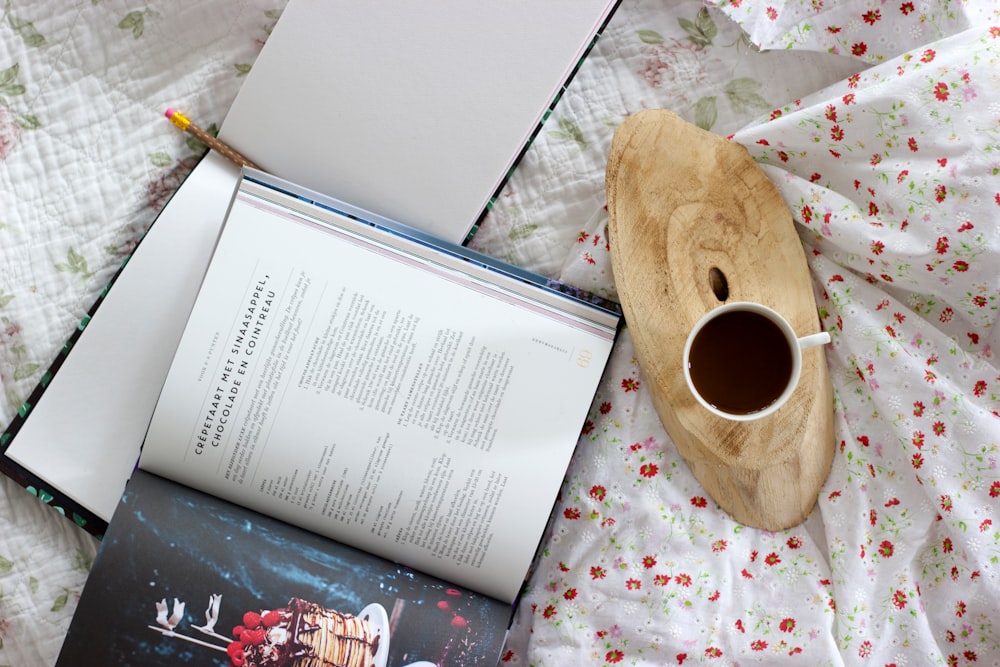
(83,439)
(416,111)
(376,396)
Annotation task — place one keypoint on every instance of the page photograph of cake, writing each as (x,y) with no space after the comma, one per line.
(186,579)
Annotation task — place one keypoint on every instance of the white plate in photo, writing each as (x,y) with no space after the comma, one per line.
(379,620)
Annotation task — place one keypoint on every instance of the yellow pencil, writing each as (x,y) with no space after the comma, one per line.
(184,123)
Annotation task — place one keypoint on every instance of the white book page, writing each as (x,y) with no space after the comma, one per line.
(291,116)
(412,110)
(83,437)
(386,402)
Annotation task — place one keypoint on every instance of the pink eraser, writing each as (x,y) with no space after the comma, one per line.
(170,113)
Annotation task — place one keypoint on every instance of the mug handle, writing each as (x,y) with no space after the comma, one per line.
(821,338)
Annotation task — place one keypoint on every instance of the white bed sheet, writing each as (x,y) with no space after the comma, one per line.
(893,178)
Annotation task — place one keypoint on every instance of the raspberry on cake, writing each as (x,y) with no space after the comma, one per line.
(303,634)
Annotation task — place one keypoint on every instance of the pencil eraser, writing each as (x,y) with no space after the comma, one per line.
(170,113)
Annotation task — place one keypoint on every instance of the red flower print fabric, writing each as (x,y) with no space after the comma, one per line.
(893,180)
(872,32)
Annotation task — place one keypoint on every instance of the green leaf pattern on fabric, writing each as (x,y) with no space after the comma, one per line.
(27,122)
(667,61)
(61,601)
(20,570)
(12,122)
(135,21)
(570,131)
(705,113)
(650,37)
(75,263)
(702,30)
(744,95)
(521,232)
(10,340)
(161,159)
(23,28)
(273,15)
(27,31)
(25,371)
(82,562)
(9,87)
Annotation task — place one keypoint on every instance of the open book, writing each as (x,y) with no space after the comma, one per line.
(409,398)
(413,112)
(183,578)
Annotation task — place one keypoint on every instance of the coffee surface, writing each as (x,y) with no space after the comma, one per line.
(740,362)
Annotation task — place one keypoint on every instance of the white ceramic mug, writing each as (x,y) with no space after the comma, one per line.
(795,346)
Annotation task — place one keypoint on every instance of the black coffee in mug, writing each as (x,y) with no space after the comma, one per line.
(740,362)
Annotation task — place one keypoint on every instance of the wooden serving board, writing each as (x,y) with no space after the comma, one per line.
(694,223)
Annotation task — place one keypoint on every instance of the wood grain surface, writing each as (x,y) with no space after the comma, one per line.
(694,223)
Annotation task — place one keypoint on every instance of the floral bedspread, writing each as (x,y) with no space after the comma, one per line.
(880,125)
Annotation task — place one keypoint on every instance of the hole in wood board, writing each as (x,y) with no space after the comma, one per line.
(720,286)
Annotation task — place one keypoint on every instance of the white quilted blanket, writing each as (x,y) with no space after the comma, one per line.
(880,124)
